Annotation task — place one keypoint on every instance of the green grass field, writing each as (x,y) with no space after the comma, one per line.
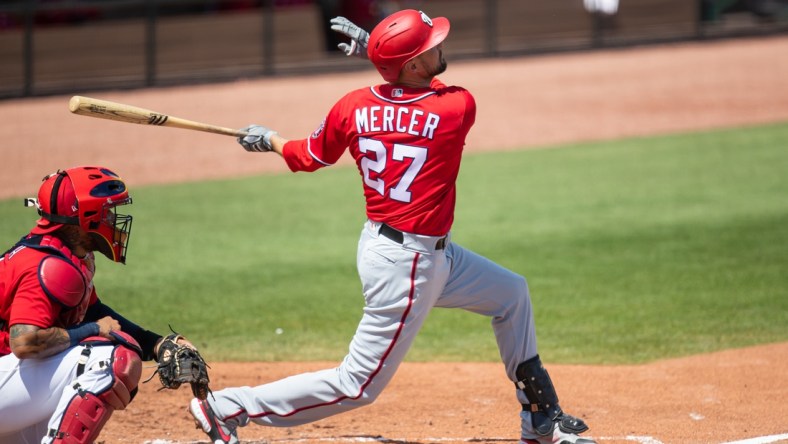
(634,250)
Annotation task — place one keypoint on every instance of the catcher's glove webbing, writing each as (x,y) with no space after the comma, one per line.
(180,364)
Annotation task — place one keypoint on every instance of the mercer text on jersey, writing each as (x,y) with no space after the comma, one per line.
(400,119)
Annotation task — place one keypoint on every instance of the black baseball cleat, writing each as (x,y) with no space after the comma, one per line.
(205,419)
(565,431)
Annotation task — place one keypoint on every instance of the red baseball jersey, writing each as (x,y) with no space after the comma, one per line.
(407,144)
(23,299)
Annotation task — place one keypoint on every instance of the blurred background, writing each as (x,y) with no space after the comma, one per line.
(59,46)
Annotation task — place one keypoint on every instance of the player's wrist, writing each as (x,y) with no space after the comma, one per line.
(267,140)
(77,334)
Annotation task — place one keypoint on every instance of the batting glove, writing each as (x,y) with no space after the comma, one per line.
(258,139)
(359,39)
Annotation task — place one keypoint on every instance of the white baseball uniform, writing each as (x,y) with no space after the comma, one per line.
(34,393)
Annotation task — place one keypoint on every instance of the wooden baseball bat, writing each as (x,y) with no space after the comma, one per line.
(104,109)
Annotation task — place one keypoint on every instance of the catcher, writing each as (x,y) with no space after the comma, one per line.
(67,360)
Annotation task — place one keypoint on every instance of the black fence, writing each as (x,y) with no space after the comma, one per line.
(62,46)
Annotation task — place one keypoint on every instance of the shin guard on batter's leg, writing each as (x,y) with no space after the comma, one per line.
(88,412)
(535,382)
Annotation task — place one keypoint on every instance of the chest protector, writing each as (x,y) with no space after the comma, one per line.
(65,278)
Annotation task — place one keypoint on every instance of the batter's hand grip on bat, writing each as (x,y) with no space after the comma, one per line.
(104,109)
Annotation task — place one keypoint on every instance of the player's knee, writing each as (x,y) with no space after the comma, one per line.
(515,288)
(88,412)
(366,398)
(355,386)
(520,285)
(127,368)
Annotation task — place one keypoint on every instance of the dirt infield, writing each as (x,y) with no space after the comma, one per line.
(523,103)
(715,398)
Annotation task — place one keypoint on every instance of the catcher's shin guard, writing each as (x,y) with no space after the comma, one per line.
(533,379)
(88,412)
(82,421)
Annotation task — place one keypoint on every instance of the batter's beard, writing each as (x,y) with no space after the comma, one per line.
(440,69)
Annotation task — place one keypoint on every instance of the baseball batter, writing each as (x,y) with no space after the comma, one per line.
(407,138)
(67,361)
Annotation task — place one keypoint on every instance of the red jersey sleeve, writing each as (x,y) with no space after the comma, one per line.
(324,146)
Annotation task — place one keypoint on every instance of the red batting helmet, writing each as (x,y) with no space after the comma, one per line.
(401,37)
(87,196)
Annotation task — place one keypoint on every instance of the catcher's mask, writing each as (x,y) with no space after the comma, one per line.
(87,197)
(402,36)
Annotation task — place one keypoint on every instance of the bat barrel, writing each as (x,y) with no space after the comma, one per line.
(104,109)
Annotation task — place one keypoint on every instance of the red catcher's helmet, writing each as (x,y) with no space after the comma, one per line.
(87,196)
(401,37)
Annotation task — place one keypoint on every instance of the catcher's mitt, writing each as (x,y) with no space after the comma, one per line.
(180,364)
